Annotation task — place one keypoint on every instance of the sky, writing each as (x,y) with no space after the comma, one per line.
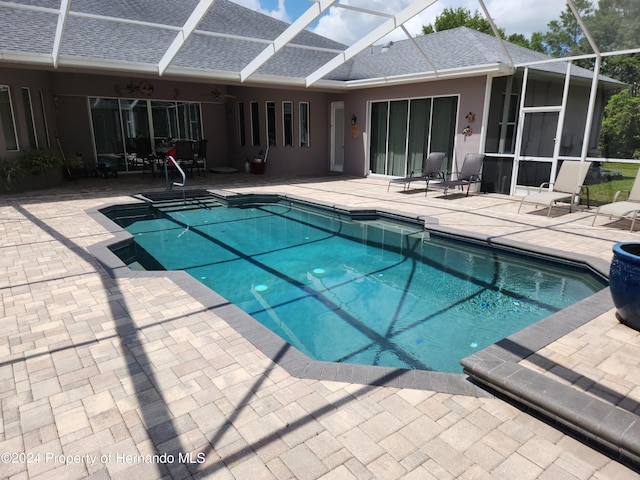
(345,26)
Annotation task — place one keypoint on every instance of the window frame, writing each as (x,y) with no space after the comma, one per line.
(255,123)
(271,115)
(32,131)
(45,123)
(304,127)
(11,122)
(242,133)
(287,124)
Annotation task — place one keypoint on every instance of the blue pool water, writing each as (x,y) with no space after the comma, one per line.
(360,290)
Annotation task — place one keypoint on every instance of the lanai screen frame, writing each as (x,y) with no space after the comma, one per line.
(318,7)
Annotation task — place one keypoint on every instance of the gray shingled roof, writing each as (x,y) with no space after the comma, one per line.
(93,36)
(449,50)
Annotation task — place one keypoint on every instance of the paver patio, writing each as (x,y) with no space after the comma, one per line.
(100,376)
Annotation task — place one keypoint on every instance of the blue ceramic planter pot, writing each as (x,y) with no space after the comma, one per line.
(624,282)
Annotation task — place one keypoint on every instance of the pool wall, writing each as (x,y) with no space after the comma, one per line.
(297,364)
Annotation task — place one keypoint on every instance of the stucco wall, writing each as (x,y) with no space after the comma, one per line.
(35,81)
(72,90)
(471,92)
(281,160)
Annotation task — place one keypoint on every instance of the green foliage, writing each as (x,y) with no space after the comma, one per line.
(537,42)
(620,137)
(604,192)
(460,17)
(9,171)
(565,36)
(39,161)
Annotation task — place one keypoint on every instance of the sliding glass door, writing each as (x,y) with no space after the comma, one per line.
(125,130)
(403,132)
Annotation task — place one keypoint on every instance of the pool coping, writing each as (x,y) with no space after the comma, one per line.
(299,365)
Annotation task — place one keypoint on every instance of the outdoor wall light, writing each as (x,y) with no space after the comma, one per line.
(355,129)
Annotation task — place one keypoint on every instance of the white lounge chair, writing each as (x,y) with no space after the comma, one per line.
(568,185)
(624,209)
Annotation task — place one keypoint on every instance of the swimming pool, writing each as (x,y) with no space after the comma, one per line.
(363,288)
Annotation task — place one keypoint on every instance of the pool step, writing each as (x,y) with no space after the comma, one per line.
(174,195)
(189,204)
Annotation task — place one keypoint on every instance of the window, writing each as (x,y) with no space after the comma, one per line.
(255,124)
(107,128)
(241,127)
(44,119)
(165,119)
(287,123)
(271,123)
(403,133)
(7,120)
(28,113)
(304,124)
(135,122)
(189,121)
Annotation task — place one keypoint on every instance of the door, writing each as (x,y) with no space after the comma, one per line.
(536,160)
(337,136)
(537,148)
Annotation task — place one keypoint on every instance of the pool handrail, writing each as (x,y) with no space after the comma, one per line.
(168,159)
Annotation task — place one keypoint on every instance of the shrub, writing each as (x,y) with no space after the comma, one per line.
(39,161)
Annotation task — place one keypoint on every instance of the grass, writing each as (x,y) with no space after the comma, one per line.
(604,192)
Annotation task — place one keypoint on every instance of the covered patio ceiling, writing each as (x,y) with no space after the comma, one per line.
(287,38)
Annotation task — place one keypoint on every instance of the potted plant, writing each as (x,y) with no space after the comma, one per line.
(624,282)
(39,161)
(10,170)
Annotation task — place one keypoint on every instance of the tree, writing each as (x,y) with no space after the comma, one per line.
(537,43)
(620,136)
(565,36)
(614,26)
(460,17)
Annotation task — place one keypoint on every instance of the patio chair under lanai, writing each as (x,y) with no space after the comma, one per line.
(431,169)
(624,209)
(568,185)
(470,173)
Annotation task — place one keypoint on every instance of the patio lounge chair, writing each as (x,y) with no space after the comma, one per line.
(470,173)
(627,208)
(431,168)
(568,185)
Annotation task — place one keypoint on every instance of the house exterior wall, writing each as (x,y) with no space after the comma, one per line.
(72,90)
(66,104)
(281,160)
(471,94)
(66,107)
(35,81)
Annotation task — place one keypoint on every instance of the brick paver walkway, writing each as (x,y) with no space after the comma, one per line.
(133,378)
